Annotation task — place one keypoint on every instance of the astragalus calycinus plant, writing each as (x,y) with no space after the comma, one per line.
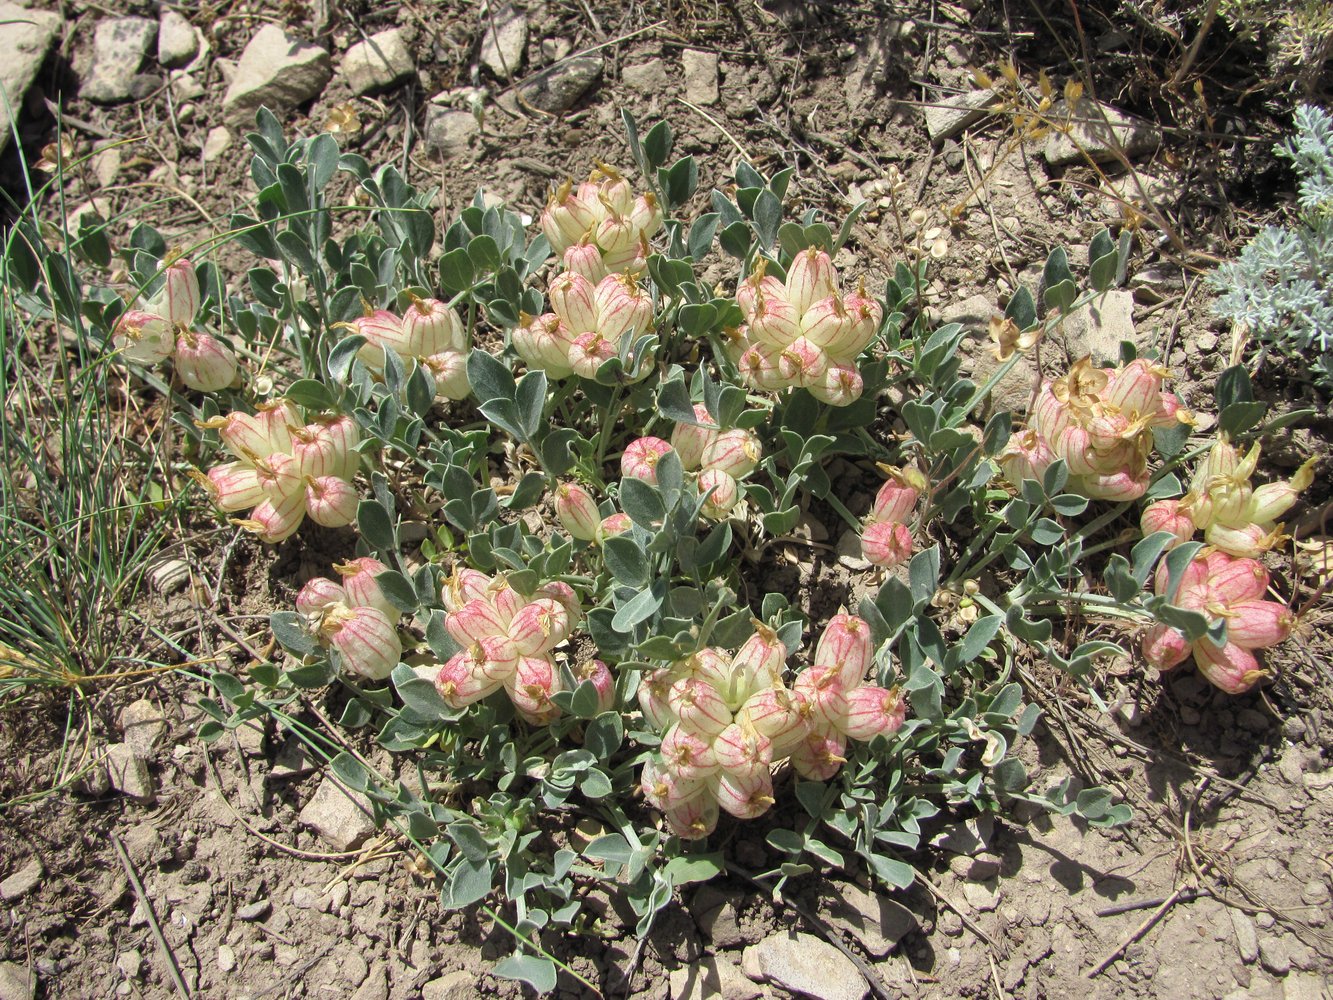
(563,469)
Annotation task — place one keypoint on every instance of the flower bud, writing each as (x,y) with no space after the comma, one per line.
(1165,647)
(745,796)
(275,520)
(847,648)
(693,819)
(144,337)
(723,494)
(574,300)
(641,457)
(873,711)
(698,706)
(1259,624)
(589,352)
(896,499)
(365,639)
(819,755)
(691,440)
(602,680)
(1228,667)
(741,751)
(363,590)
(654,703)
(319,593)
(645,215)
(449,370)
(530,689)
(810,278)
(841,385)
(612,525)
(331,502)
(431,327)
(178,301)
(886,544)
(234,486)
(475,620)
(577,511)
(585,258)
(774,322)
(735,452)
(540,626)
(203,362)
(686,754)
(1168,515)
(802,363)
(460,683)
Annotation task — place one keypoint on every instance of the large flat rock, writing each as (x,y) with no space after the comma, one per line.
(278,71)
(25,37)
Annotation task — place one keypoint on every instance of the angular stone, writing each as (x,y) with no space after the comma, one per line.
(25,36)
(1247,938)
(218,142)
(504,39)
(805,965)
(292,761)
(251,912)
(1275,955)
(129,773)
(451,133)
(130,963)
(276,70)
(119,47)
(556,90)
(711,978)
(304,898)
(1308,986)
(1097,131)
(376,986)
(878,922)
(649,76)
(226,958)
(22,881)
(946,118)
(142,724)
(970,836)
(1098,328)
(700,76)
(378,63)
(849,551)
(341,819)
(457,985)
(715,914)
(177,41)
(16,982)
(982,896)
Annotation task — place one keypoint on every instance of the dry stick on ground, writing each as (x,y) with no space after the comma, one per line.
(1139,931)
(153,925)
(968,922)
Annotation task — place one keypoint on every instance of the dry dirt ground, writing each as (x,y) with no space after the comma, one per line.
(1221,885)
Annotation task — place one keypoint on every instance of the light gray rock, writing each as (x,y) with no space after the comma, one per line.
(849,552)
(805,965)
(504,38)
(119,47)
(1097,131)
(25,36)
(177,41)
(130,963)
(16,982)
(451,133)
(22,881)
(649,76)
(251,912)
(982,896)
(129,773)
(974,869)
(555,49)
(276,70)
(970,836)
(877,921)
(377,63)
(557,90)
(106,165)
(457,985)
(1275,955)
(1247,938)
(376,986)
(293,760)
(1305,986)
(354,969)
(226,958)
(304,898)
(715,914)
(218,142)
(142,724)
(711,978)
(700,76)
(1098,328)
(186,87)
(341,819)
(947,117)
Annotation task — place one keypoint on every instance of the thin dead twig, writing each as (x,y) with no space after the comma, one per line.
(968,922)
(153,925)
(1139,931)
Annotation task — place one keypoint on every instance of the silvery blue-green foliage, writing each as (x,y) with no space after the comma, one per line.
(1279,286)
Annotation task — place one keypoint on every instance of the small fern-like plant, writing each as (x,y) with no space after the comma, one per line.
(1278,288)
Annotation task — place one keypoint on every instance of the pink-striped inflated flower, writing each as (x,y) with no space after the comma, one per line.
(577,511)
(1026,456)
(758,664)
(358,580)
(820,754)
(574,300)
(568,217)
(699,706)
(383,331)
(776,714)
(736,452)
(318,594)
(694,818)
(846,648)
(802,363)
(612,525)
(203,362)
(654,697)
(624,307)
(841,385)
(759,368)
(896,499)
(331,502)
(585,258)
(773,322)
(687,753)
(742,751)
(461,683)
(540,626)
(599,674)
(745,796)
(144,336)
(544,342)
(558,590)
(589,352)
(475,620)
(641,456)
(810,278)
(530,689)
(366,641)
(723,494)
(873,711)
(464,584)
(829,325)
(431,327)
(1168,515)
(886,544)
(327,447)
(233,486)
(692,440)
(275,520)
(756,288)
(178,301)
(449,370)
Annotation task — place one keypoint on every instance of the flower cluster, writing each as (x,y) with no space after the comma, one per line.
(163,329)
(1233,515)
(801,332)
(721,459)
(1221,586)
(1100,422)
(509,642)
(430,332)
(355,618)
(588,323)
(726,720)
(886,539)
(600,227)
(285,469)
